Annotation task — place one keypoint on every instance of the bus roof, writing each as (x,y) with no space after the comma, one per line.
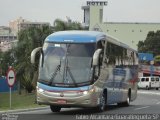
(75,36)
(117,42)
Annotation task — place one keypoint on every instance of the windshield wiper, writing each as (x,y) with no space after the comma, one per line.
(43,81)
(71,75)
(58,68)
(67,68)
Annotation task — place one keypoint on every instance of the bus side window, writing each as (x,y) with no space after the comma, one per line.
(100,45)
(110,54)
(115,55)
(107,52)
(119,58)
(133,58)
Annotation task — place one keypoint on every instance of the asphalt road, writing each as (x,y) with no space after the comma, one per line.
(147,105)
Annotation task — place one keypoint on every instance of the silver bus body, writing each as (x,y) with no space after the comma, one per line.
(94,70)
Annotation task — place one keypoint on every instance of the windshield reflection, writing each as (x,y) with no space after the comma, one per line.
(66,64)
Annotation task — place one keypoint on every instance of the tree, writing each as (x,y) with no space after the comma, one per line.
(28,40)
(151,44)
(60,25)
(157,60)
(6,60)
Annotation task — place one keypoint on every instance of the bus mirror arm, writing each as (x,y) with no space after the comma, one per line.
(33,54)
(96,57)
(42,57)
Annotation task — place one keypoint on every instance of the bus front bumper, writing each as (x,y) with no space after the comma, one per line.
(69,98)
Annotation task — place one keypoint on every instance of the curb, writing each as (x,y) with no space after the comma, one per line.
(41,108)
(149,92)
(23,110)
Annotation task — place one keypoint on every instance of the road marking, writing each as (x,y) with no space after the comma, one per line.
(158,103)
(149,92)
(141,108)
(30,112)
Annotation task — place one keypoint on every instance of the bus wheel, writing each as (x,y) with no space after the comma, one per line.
(102,104)
(127,102)
(147,88)
(55,108)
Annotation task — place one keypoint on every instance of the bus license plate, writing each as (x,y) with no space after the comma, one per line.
(61,101)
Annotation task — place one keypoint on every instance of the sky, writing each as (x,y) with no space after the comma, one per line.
(48,10)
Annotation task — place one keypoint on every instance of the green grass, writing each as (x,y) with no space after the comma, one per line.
(23,101)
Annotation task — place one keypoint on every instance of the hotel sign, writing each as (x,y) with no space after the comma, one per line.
(97,3)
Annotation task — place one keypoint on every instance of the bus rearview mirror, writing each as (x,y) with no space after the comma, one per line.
(96,57)
(33,54)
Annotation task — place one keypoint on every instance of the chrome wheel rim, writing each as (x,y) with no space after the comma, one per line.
(128,100)
(102,103)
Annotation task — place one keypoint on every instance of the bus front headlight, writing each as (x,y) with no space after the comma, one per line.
(85,92)
(89,91)
(40,90)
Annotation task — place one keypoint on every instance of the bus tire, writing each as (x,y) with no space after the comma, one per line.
(102,105)
(147,88)
(127,102)
(157,88)
(55,108)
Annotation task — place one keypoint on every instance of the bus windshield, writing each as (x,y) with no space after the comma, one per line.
(66,65)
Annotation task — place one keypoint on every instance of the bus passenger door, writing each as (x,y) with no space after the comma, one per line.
(110,86)
(118,83)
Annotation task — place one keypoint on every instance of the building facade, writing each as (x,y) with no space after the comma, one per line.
(8,35)
(126,32)
(14,24)
(20,24)
(129,33)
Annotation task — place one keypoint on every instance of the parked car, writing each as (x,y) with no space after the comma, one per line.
(149,82)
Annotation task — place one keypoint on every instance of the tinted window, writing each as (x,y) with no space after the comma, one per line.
(157,79)
(152,79)
(143,79)
(147,79)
